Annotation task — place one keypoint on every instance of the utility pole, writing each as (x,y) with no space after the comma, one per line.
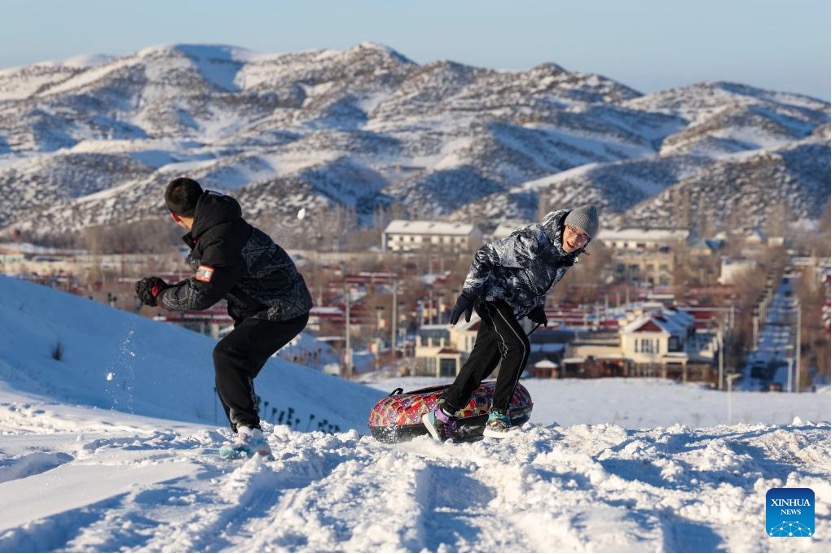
(348,351)
(393,324)
(720,354)
(731,378)
(121,258)
(797,350)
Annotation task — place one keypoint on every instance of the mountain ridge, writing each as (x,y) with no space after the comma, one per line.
(367,128)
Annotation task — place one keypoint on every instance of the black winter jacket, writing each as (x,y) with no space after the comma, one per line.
(521,268)
(238,262)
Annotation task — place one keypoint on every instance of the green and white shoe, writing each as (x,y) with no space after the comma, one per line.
(498,425)
(247,443)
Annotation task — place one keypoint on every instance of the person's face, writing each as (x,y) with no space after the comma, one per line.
(574,238)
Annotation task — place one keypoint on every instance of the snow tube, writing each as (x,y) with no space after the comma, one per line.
(398,416)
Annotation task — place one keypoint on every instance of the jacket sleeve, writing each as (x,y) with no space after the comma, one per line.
(221,266)
(515,251)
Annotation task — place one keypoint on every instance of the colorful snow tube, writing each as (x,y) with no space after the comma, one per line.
(398,416)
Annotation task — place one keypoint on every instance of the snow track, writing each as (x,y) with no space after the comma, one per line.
(579,488)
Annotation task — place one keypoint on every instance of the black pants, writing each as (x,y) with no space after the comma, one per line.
(240,356)
(499,337)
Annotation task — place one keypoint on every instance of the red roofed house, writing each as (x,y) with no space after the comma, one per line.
(665,345)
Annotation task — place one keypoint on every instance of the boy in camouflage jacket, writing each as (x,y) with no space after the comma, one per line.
(508,281)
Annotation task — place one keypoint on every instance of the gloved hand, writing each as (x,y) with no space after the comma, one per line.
(538,315)
(463,304)
(149,288)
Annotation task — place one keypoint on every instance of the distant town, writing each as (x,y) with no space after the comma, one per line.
(744,309)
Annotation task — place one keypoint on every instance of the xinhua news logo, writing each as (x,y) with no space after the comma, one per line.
(790,512)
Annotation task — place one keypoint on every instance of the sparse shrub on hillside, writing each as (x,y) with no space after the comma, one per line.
(58,351)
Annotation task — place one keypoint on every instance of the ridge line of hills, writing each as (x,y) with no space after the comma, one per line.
(94,140)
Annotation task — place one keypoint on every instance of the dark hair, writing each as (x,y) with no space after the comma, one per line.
(181,196)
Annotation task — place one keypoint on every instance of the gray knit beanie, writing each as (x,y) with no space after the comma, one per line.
(584,218)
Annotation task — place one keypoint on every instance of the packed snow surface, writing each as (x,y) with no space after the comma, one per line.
(113,448)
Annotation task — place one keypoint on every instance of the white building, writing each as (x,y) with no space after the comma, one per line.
(732,271)
(642,239)
(438,236)
(644,255)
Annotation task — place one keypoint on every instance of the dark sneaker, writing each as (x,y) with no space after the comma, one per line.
(440,425)
(498,425)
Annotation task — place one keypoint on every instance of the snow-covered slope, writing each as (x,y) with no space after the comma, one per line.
(368,127)
(115,360)
(151,486)
(113,448)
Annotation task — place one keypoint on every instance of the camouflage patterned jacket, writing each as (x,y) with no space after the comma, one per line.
(521,268)
(236,261)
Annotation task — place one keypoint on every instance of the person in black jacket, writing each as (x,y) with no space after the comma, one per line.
(266,295)
(508,281)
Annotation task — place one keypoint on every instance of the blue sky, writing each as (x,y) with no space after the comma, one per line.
(646,44)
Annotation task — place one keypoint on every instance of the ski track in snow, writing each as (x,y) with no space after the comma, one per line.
(576,488)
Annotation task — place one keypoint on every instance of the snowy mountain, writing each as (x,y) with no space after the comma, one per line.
(94,140)
(110,446)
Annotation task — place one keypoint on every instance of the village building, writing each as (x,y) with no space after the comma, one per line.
(431,236)
(654,341)
(644,255)
(731,271)
(442,349)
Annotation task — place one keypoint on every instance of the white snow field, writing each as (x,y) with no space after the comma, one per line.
(113,448)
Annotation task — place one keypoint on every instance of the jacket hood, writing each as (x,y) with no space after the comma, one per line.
(553,225)
(212,209)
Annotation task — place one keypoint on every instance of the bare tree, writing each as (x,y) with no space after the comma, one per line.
(777,218)
(815,341)
(149,236)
